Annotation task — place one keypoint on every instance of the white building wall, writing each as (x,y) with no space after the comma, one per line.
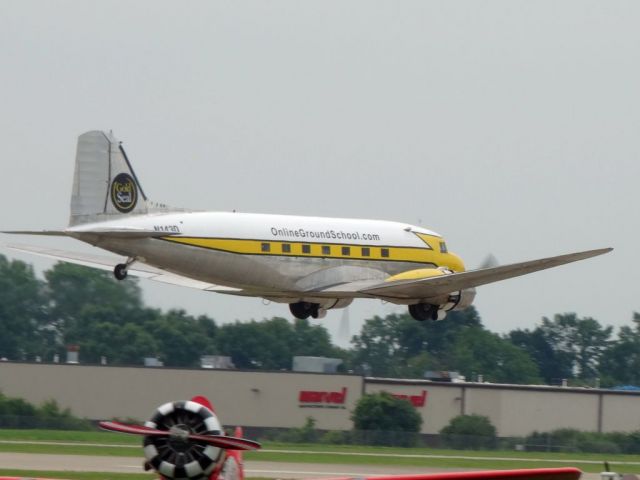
(285,399)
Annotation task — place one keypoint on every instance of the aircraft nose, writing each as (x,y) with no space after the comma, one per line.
(455,263)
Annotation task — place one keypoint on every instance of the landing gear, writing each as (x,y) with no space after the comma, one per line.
(303,310)
(120,270)
(424,311)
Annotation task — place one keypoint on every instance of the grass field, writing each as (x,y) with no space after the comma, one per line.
(104,443)
(77,475)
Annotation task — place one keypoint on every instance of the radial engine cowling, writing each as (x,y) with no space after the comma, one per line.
(460,300)
(175,456)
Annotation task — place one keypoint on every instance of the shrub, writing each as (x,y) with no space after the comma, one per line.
(305,434)
(17,413)
(383,411)
(336,437)
(469,432)
(567,439)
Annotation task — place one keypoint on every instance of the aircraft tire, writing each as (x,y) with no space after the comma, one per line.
(120,271)
(423,311)
(301,310)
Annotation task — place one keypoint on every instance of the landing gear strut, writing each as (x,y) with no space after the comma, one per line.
(423,311)
(120,270)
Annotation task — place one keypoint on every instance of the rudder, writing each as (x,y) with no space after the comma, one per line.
(104,184)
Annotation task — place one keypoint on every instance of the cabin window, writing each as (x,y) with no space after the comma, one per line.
(384,252)
(306,248)
(265,247)
(346,250)
(366,251)
(326,250)
(443,247)
(286,248)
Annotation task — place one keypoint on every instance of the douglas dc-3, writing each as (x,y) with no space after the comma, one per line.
(314,264)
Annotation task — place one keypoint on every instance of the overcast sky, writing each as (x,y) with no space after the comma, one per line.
(510,127)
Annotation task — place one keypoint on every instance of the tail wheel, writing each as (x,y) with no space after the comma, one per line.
(120,271)
(177,457)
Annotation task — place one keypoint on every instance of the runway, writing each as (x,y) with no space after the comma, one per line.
(86,463)
(284,470)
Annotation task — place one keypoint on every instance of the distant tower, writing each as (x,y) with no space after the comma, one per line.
(344,335)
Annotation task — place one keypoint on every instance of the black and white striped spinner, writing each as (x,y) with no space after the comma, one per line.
(174,458)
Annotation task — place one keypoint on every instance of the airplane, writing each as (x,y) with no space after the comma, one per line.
(313,264)
(185,440)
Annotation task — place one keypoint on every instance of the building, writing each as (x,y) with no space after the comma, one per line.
(286,399)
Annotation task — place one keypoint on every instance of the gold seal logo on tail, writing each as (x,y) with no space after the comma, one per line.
(124,193)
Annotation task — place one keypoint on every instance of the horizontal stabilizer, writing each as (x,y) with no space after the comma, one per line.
(46,233)
(138,269)
(122,232)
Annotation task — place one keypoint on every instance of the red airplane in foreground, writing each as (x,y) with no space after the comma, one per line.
(185,441)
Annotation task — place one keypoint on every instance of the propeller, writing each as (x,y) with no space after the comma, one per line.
(489,261)
(220,441)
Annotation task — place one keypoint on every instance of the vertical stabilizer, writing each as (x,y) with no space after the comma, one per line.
(104,184)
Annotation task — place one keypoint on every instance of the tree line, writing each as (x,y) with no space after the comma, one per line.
(74,305)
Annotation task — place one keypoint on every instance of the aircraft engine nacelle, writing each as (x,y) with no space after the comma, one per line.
(177,457)
(460,300)
(336,303)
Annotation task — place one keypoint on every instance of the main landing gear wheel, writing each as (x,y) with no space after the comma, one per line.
(423,311)
(304,310)
(120,271)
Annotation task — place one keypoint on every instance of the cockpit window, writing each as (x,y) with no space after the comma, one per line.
(443,247)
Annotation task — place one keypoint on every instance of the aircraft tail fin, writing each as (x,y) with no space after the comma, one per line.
(104,184)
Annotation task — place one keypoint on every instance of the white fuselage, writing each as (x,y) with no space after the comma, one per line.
(274,252)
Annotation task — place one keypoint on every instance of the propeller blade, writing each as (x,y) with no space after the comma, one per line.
(220,441)
(223,441)
(132,429)
(489,261)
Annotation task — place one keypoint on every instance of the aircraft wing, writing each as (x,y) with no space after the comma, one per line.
(565,473)
(444,284)
(421,288)
(138,269)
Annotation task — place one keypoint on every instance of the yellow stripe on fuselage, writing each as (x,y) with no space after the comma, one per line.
(353,252)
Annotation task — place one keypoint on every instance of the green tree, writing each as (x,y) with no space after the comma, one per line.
(384,413)
(552,363)
(126,344)
(478,351)
(23,312)
(399,346)
(441,336)
(575,344)
(79,296)
(620,363)
(271,344)
(182,339)
(469,432)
